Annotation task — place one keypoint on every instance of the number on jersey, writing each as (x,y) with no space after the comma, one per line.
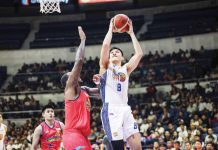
(119,87)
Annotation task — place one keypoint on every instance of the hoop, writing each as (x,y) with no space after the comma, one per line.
(49,6)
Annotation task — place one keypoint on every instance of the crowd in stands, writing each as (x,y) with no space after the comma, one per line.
(158,68)
(41,77)
(16,104)
(178,118)
(182,65)
(167,120)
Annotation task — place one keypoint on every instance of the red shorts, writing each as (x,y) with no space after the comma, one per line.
(76,141)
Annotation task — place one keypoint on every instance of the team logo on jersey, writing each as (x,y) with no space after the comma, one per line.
(119,76)
(88,104)
(56,137)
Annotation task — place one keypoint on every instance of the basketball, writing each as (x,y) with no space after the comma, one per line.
(121,23)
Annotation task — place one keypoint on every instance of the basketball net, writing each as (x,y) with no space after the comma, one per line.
(49,6)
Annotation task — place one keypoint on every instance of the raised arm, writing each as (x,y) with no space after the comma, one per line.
(36,137)
(6,129)
(91,91)
(104,58)
(135,59)
(71,89)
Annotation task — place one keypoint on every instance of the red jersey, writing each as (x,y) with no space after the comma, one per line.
(51,137)
(77,114)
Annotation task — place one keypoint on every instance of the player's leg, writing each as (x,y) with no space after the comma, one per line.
(70,143)
(134,141)
(112,124)
(131,131)
(107,143)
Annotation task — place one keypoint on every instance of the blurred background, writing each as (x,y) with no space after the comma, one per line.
(173,92)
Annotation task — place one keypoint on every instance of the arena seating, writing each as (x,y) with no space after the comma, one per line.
(12,36)
(7,3)
(183,65)
(158,68)
(182,114)
(63,34)
(169,113)
(182,23)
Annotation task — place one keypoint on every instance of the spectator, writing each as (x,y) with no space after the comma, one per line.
(145,126)
(176,145)
(156,146)
(170,144)
(210,137)
(202,104)
(209,105)
(188,146)
(162,147)
(182,132)
(175,136)
(209,146)
(208,89)
(159,128)
(167,136)
(198,145)
(192,107)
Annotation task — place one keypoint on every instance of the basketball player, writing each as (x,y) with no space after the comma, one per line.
(77,104)
(117,119)
(49,132)
(3,130)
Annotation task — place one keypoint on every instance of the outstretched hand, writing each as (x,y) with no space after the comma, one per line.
(130,27)
(82,35)
(96,79)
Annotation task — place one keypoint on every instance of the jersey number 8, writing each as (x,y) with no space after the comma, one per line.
(118,87)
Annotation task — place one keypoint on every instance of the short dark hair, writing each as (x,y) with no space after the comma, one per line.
(210,143)
(47,107)
(117,49)
(163,145)
(177,142)
(64,79)
(198,141)
(188,142)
